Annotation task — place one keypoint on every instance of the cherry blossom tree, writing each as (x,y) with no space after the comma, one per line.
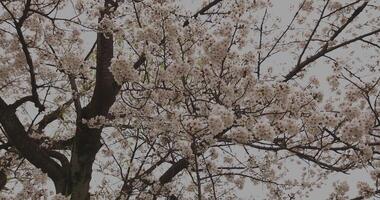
(160,99)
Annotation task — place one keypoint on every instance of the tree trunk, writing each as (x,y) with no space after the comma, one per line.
(87,140)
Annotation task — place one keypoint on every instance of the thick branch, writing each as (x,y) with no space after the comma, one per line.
(173,171)
(21,101)
(202,11)
(322,52)
(312,33)
(28,56)
(206,8)
(47,119)
(349,20)
(31,151)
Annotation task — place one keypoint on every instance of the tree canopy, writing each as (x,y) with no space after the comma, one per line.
(170,99)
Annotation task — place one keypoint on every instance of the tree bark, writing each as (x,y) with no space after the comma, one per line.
(87,140)
(39,157)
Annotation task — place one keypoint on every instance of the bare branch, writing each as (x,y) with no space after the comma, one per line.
(322,52)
